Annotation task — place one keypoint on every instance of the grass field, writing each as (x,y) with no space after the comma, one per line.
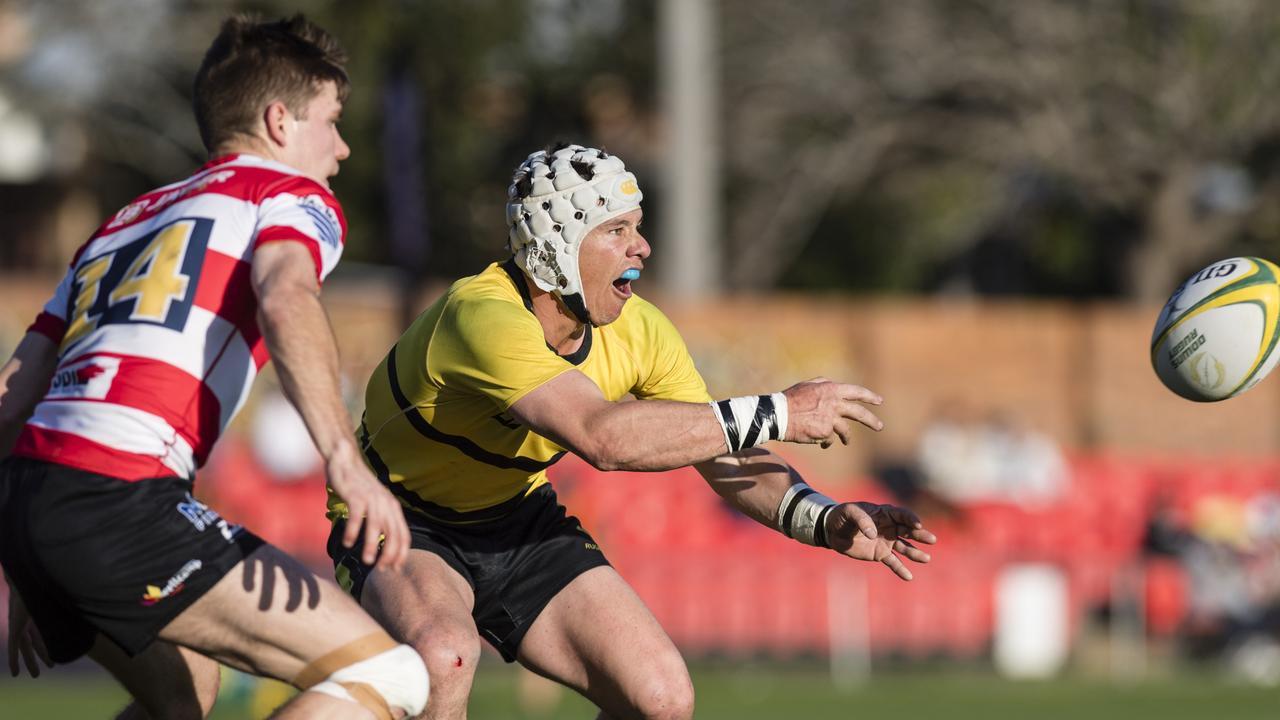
(747,692)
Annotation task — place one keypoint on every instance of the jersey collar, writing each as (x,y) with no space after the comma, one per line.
(577,357)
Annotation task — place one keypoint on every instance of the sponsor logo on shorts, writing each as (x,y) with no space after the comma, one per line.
(174,586)
(204,517)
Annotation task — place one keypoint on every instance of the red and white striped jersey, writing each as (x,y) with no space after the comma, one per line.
(156,318)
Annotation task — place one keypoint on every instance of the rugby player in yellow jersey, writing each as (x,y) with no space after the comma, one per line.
(528,360)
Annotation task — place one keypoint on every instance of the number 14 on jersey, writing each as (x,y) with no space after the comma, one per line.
(149,280)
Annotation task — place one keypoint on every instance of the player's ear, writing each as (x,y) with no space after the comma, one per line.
(277,119)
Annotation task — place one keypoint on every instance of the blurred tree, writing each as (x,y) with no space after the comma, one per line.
(1156,110)
(494,80)
(1068,147)
(117,75)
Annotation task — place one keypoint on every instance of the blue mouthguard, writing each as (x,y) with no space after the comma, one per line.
(631,274)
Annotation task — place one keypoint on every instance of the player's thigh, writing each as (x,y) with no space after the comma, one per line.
(272,616)
(165,680)
(597,637)
(427,604)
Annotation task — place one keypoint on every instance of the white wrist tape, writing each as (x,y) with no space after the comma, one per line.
(802,514)
(752,420)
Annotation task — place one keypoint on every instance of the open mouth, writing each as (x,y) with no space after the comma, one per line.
(623,284)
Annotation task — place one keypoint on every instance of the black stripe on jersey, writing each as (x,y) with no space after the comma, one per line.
(577,357)
(465,445)
(431,510)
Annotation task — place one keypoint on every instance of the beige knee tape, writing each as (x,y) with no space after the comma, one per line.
(360,693)
(349,654)
(375,672)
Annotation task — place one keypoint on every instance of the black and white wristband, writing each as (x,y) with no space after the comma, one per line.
(802,515)
(752,420)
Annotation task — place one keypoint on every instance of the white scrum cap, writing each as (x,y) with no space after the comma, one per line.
(553,201)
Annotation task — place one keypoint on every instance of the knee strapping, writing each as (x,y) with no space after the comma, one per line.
(375,672)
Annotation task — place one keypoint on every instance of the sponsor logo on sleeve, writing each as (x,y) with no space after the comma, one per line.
(325,219)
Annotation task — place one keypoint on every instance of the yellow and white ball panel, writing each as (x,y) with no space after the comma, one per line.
(1217,335)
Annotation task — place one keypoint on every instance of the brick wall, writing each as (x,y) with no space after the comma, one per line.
(1077,372)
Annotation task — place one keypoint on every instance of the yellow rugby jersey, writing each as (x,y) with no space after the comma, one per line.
(436,428)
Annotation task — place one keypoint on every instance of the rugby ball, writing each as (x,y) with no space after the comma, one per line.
(1216,336)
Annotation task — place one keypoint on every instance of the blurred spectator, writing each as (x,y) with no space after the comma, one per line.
(280,441)
(1026,466)
(1230,549)
(998,459)
(951,457)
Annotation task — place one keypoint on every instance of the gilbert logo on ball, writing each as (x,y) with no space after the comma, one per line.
(1216,336)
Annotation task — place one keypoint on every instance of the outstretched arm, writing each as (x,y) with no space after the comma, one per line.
(24,379)
(756,482)
(663,434)
(297,332)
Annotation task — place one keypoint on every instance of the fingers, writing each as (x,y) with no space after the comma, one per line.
(857,393)
(843,431)
(910,551)
(862,519)
(392,540)
(908,524)
(842,428)
(894,564)
(924,536)
(860,414)
(824,412)
(355,518)
(38,640)
(902,516)
(379,522)
(372,535)
(13,651)
(395,544)
(28,653)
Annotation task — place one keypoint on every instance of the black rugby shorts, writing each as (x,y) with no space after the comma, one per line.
(514,564)
(94,554)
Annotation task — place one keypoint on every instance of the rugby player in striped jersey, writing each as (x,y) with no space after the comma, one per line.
(123,384)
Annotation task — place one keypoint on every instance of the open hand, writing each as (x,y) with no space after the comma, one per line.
(878,533)
(820,411)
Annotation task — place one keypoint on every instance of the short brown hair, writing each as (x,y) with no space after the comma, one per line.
(253,63)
